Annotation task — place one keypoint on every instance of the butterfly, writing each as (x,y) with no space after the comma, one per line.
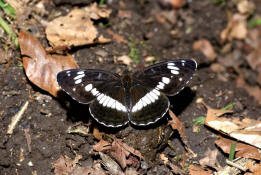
(138,98)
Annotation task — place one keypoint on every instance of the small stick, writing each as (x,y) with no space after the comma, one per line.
(235,165)
(16,118)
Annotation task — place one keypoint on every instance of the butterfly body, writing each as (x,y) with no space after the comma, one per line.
(138,98)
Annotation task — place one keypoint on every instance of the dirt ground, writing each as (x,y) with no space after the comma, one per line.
(47,119)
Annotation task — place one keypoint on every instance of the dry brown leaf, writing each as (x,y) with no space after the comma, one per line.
(130,149)
(213,114)
(65,165)
(124,14)
(97,134)
(245,130)
(118,150)
(173,167)
(246,7)
(177,125)
(206,48)
(197,170)
(101,146)
(119,154)
(254,167)
(173,3)
(76,28)
(42,68)
(210,159)
(242,150)
(236,27)
(125,59)
(254,42)
(118,38)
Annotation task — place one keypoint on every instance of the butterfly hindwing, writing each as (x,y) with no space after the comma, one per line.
(110,109)
(169,77)
(148,105)
(84,85)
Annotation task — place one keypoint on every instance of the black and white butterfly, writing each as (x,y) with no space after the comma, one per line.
(138,98)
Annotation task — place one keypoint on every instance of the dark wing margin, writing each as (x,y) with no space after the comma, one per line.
(148,105)
(84,85)
(169,77)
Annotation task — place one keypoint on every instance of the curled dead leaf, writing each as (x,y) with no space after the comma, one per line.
(119,151)
(125,59)
(246,7)
(118,38)
(206,48)
(210,159)
(177,125)
(236,27)
(197,170)
(76,28)
(41,68)
(246,130)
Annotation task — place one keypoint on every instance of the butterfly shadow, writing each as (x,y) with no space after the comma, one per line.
(179,102)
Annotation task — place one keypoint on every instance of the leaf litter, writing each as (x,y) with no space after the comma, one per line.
(121,152)
(41,68)
(76,28)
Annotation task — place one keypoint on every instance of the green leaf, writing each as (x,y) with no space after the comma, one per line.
(229,106)
(232,151)
(134,52)
(9,31)
(10,11)
(254,23)
(199,120)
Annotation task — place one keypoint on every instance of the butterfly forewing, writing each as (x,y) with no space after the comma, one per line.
(169,77)
(85,85)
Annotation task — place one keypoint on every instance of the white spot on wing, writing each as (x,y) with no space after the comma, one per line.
(165,80)
(173,67)
(79,77)
(100,97)
(153,96)
(110,103)
(118,106)
(94,92)
(78,81)
(103,99)
(171,64)
(88,87)
(106,101)
(155,91)
(161,85)
(80,72)
(174,72)
(180,79)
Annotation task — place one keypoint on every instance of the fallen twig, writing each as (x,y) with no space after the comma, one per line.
(16,118)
